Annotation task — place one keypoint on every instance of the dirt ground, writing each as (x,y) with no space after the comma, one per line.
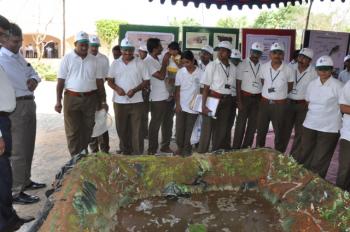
(51,151)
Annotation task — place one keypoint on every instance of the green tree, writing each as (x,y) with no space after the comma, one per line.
(229,22)
(185,22)
(108,30)
(290,17)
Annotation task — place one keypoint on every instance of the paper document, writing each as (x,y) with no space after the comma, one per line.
(212,104)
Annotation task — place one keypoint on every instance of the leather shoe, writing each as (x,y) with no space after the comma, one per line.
(34,185)
(16,222)
(25,199)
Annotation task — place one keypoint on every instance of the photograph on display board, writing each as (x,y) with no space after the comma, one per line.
(140,37)
(267,37)
(196,40)
(333,44)
(218,37)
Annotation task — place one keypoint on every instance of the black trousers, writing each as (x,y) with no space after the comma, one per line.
(317,150)
(343,177)
(6,209)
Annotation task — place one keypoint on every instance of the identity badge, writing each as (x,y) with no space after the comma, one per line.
(294,91)
(256,84)
(227,86)
(271,90)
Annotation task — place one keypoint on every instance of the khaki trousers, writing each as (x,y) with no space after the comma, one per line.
(294,118)
(343,177)
(216,129)
(246,122)
(79,121)
(159,111)
(317,150)
(128,123)
(228,137)
(23,129)
(184,127)
(274,113)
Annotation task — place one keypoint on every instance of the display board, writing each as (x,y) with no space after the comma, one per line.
(194,38)
(333,44)
(139,34)
(267,37)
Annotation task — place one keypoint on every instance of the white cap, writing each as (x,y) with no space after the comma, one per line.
(307,52)
(94,40)
(235,54)
(208,49)
(82,37)
(126,44)
(257,46)
(324,61)
(277,47)
(224,44)
(143,47)
(347,58)
(103,122)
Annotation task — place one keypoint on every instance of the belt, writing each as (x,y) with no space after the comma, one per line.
(80,94)
(292,101)
(4,114)
(247,94)
(27,97)
(218,95)
(265,100)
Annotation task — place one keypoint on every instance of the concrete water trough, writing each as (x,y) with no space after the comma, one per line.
(246,190)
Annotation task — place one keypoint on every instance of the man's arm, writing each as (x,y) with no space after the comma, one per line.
(141,86)
(345,109)
(177,99)
(59,91)
(238,91)
(160,74)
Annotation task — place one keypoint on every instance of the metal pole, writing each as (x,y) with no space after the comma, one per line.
(308,15)
(64,27)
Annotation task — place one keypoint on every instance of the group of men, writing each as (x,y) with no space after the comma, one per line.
(18,81)
(274,92)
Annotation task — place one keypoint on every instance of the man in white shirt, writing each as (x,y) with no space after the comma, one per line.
(156,71)
(9,220)
(323,120)
(145,95)
(344,76)
(126,77)
(343,177)
(296,110)
(205,56)
(24,80)
(101,142)
(277,82)
(80,76)
(236,60)
(219,81)
(248,97)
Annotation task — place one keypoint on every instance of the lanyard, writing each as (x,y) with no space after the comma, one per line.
(274,78)
(227,72)
(251,67)
(296,77)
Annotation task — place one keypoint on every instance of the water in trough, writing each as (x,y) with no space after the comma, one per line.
(212,211)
